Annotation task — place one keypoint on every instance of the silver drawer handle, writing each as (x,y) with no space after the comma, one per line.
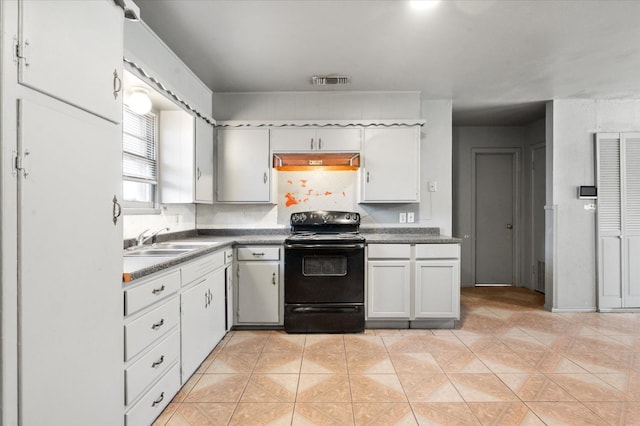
(159,400)
(258,254)
(273,279)
(158,290)
(158,362)
(158,324)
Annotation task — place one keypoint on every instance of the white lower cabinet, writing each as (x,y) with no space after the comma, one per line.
(413,286)
(258,285)
(173,319)
(389,281)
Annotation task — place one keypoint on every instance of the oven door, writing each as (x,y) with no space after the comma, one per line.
(324,273)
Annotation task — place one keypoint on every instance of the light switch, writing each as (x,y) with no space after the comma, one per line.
(403,218)
(410,218)
(433,186)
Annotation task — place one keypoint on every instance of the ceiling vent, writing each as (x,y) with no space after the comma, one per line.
(325,80)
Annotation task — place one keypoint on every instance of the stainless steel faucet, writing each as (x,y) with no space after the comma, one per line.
(141,239)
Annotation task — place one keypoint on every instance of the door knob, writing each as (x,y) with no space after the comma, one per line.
(509,226)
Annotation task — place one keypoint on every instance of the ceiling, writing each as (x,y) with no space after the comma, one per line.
(498,60)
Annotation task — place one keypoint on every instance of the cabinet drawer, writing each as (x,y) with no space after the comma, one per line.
(437,251)
(196,269)
(150,292)
(154,401)
(140,333)
(151,366)
(228,256)
(258,253)
(389,251)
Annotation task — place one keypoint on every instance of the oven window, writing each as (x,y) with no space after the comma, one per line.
(324,266)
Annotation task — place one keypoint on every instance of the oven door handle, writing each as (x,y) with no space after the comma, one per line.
(331,310)
(324,246)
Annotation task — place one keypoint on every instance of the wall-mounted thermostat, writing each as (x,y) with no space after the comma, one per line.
(587,192)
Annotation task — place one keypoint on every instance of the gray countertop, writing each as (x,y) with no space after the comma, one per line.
(138,267)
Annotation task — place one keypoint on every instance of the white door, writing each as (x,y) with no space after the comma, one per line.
(73,51)
(494,218)
(244,172)
(631,212)
(70,268)
(538,201)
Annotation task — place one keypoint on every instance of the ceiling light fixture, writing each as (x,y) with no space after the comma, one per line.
(138,100)
(324,80)
(423,4)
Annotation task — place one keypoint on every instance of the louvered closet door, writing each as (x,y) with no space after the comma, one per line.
(609,221)
(631,219)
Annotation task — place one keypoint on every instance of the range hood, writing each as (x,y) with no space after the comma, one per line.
(316,161)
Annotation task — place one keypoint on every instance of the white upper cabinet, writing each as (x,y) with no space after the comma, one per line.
(244,172)
(316,139)
(391,172)
(72,50)
(204,162)
(186,158)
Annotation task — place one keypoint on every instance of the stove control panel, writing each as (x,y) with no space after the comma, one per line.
(321,217)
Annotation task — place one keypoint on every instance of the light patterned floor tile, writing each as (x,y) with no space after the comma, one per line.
(369,363)
(202,414)
(271,388)
(376,388)
(246,342)
(565,414)
(460,362)
(420,387)
(218,388)
(323,414)
(324,363)
(505,413)
(505,362)
(481,388)
(331,343)
(444,413)
(279,342)
(535,387)
(323,388)
(279,362)
(383,414)
(265,413)
(233,362)
(587,387)
(616,413)
(363,343)
(415,362)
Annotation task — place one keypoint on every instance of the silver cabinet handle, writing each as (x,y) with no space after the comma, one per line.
(158,324)
(367,177)
(320,143)
(264,178)
(158,290)
(312,144)
(117,210)
(273,279)
(159,400)
(198,173)
(117,84)
(158,362)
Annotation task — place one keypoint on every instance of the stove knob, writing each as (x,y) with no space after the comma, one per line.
(347,216)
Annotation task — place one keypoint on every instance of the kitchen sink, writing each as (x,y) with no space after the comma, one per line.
(188,245)
(166,252)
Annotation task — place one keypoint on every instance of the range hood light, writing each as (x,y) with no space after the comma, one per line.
(315,161)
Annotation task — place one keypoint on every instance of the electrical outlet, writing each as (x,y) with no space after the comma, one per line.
(410,218)
(433,186)
(403,218)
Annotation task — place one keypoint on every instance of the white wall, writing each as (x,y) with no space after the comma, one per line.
(572,228)
(176,217)
(435,208)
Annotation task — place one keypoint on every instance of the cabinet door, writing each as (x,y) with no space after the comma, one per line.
(437,292)
(202,325)
(244,172)
(204,162)
(176,147)
(332,140)
(293,139)
(258,292)
(391,170)
(71,303)
(73,51)
(388,289)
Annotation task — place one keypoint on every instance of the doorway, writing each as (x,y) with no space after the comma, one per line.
(494,210)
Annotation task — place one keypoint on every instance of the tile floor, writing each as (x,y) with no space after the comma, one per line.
(508,362)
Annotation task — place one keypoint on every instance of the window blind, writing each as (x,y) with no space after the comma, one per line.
(139,156)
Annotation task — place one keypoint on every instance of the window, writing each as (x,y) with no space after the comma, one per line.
(139,160)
